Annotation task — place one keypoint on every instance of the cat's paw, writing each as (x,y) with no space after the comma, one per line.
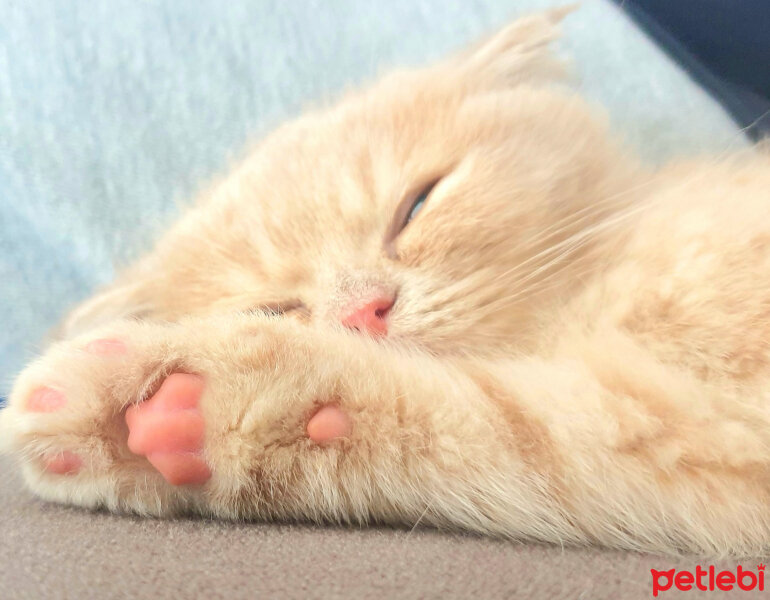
(145,418)
(168,429)
(99,422)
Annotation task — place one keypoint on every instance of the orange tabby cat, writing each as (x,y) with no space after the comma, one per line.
(449,299)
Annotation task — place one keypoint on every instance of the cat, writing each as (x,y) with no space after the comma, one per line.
(451,299)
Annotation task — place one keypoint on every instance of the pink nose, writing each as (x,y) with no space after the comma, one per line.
(370,316)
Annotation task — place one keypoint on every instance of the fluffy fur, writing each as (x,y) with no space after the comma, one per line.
(578,352)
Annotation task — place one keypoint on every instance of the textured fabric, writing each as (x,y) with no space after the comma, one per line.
(113,113)
(53,552)
(725,45)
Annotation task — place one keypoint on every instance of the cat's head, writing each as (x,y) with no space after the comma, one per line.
(438,207)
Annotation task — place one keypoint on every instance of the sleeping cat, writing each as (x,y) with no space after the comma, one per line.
(451,299)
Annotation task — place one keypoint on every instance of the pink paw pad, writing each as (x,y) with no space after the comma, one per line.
(168,429)
(45,400)
(63,463)
(106,347)
(328,424)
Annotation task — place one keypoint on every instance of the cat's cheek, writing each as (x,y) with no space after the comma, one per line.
(329,423)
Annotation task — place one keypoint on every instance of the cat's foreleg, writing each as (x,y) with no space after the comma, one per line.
(259,417)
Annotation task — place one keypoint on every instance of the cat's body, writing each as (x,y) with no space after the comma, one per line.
(564,346)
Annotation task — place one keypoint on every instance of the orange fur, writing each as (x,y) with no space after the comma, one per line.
(578,352)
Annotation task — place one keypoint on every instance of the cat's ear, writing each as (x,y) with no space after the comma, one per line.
(126,299)
(517,53)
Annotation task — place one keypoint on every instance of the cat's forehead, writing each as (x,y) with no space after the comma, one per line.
(374,147)
(332,182)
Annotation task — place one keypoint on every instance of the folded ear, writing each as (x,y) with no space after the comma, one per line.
(125,299)
(518,52)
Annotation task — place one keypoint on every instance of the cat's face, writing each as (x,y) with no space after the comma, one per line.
(425,209)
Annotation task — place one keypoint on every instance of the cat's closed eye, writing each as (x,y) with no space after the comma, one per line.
(405,213)
(418,203)
(281,308)
(415,203)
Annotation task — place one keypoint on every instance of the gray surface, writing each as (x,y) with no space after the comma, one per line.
(112,113)
(49,551)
